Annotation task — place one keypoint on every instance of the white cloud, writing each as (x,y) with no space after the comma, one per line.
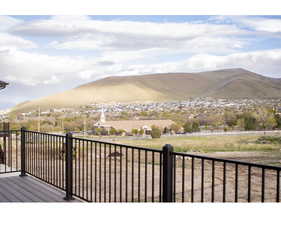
(110,42)
(262,24)
(7,22)
(259,24)
(34,68)
(83,33)
(8,41)
(264,62)
(71,25)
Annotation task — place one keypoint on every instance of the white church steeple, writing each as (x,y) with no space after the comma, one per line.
(102,116)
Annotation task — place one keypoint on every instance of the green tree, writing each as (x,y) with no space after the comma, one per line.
(241,123)
(277,120)
(175,127)
(266,118)
(195,126)
(250,122)
(104,131)
(112,131)
(141,131)
(97,131)
(135,131)
(187,126)
(155,132)
(230,119)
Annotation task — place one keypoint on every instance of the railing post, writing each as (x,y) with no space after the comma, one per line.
(68,167)
(167,173)
(23,152)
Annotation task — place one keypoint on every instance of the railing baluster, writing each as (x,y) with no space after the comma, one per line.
(192,179)
(48,157)
(183,177)
(126,178)
(104,169)
(76,167)
(236,182)
(109,158)
(278,186)
(213,181)
(174,178)
(95,171)
(17,141)
(52,158)
(139,175)
(115,179)
(145,176)
(202,180)
(91,171)
(87,169)
(79,167)
(262,185)
(152,177)
(120,186)
(43,157)
(100,181)
(161,177)
(224,181)
(133,153)
(249,183)
(57,162)
(83,169)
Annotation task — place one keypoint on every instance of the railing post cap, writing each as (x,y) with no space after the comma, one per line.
(168,147)
(23,128)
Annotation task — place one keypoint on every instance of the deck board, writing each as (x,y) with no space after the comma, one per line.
(28,189)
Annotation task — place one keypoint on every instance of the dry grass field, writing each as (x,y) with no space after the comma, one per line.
(239,147)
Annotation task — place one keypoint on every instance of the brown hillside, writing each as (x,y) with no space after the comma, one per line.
(228,83)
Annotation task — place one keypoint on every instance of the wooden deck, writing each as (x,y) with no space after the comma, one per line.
(28,189)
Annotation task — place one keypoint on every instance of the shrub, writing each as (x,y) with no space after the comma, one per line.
(120,132)
(112,131)
(135,131)
(250,122)
(155,132)
(195,126)
(187,127)
(104,131)
(141,131)
(175,127)
(268,140)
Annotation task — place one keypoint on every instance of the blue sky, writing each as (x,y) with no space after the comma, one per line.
(42,55)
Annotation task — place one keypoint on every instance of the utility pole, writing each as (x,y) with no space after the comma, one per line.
(62,124)
(84,127)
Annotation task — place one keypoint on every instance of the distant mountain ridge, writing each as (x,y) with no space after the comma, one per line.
(227,83)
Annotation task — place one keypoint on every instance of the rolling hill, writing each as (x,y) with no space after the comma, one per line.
(227,83)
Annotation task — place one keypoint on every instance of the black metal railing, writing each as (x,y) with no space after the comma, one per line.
(97,171)
(45,157)
(207,179)
(107,172)
(10,151)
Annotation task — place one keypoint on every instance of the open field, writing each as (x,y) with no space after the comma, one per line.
(239,147)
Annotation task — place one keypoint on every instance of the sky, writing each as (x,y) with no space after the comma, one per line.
(43,55)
